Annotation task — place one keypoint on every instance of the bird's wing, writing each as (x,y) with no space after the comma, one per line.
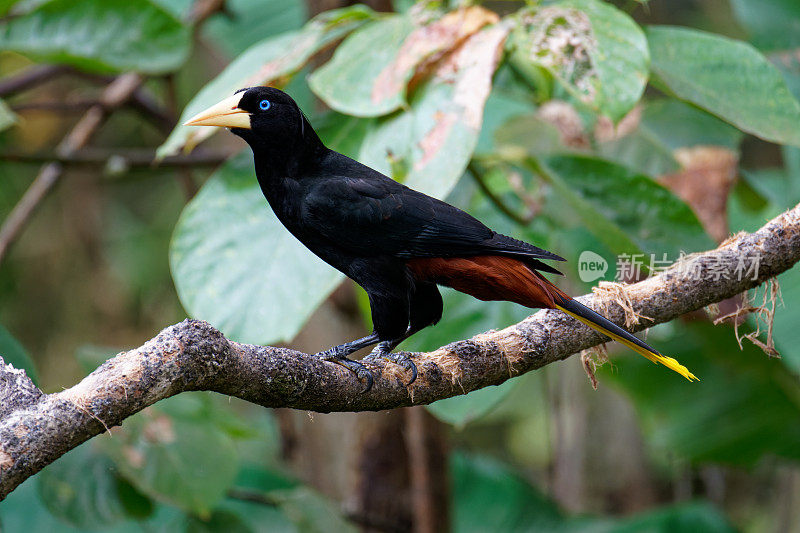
(374,215)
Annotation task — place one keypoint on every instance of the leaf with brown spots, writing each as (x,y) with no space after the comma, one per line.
(435,138)
(370,73)
(597,52)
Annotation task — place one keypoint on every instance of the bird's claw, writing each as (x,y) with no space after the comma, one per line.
(334,355)
(399,358)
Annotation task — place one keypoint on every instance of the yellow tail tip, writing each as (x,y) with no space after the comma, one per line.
(674,365)
(656,357)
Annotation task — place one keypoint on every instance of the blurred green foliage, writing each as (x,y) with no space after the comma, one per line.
(465,120)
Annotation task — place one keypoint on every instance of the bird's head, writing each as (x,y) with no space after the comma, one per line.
(267,118)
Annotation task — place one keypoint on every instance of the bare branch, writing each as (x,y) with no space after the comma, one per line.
(37,428)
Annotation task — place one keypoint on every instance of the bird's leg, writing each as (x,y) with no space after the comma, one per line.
(384,351)
(338,355)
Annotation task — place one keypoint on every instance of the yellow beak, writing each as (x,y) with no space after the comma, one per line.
(225,114)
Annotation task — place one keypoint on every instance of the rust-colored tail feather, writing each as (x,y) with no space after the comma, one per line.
(507,278)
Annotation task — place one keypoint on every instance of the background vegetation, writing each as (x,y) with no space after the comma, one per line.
(618,127)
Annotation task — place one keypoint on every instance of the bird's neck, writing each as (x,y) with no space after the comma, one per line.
(289,157)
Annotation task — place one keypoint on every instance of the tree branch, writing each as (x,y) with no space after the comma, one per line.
(37,428)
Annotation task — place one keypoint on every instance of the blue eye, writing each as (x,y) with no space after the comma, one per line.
(263,105)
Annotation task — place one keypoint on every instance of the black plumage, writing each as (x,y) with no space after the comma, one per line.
(395,242)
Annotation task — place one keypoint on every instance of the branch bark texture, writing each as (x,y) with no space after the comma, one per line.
(37,428)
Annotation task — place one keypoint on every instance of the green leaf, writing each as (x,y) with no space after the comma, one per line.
(433,141)
(745,406)
(174,452)
(532,134)
(247,22)
(728,78)
(667,125)
(641,151)
(7,117)
(266,62)
(83,489)
(370,71)
(23,510)
(490,496)
(13,353)
(236,266)
(772,24)
(680,125)
(310,512)
(787,316)
(683,518)
(501,107)
(346,82)
(596,51)
(254,516)
(344,133)
(100,35)
(461,410)
(628,212)
(221,520)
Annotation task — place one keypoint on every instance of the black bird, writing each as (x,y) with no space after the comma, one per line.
(395,242)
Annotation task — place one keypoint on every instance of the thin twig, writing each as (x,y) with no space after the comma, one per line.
(31,77)
(125,157)
(113,96)
(19,216)
(477,174)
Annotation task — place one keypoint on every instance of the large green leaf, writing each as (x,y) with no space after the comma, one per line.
(235,265)
(370,71)
(176,452)
(461,410)
(100,35)
(666,125)
(597,52)
(346,82)
(745,406)
(430,145)
(728,78)
(772,24)
(491,496)
(679,125)
(246,22)
(343,133)
(23,510)
(641,151)
(83,489)
(14,354)
(266,62)
(628,212)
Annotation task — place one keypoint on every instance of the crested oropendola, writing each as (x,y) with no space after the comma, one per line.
(395,242)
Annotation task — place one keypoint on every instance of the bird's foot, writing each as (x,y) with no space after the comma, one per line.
(384,351)
(337,355)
